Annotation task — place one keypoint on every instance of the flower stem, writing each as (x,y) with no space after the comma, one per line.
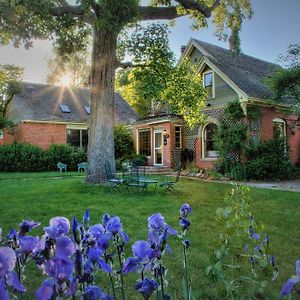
(162,282)
(121,274)
(186,273)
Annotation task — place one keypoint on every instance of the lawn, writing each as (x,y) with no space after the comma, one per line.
(39,197)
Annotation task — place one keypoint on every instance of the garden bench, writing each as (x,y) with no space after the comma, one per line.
(82,166)
(61,167)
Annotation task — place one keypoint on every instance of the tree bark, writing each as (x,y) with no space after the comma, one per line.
(101,132)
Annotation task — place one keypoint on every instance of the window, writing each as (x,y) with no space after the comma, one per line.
(178,142)
(279,128)
(208,79)
(1,134)
(208,83)
(87,109)
(78,138)
(144,142)
(65,108)
(208,142)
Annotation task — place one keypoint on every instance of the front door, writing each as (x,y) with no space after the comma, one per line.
(158,147)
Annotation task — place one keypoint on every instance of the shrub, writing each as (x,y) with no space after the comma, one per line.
(139,160)
(30,158)
(67,154)
(269,160)
(123,143)
(22,158)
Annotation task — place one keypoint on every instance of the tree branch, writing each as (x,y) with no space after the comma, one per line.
(158,13)
(128,64)
(170,13)
(202,8)
(74,10)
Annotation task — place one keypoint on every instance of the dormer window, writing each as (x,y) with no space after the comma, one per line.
(65,108)
(208,83)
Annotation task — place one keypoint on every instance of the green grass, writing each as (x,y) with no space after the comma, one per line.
(42,197)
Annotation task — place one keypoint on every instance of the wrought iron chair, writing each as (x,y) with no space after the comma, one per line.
(61,167)
(82,167)
(135,179)
(168,185)
(115,182)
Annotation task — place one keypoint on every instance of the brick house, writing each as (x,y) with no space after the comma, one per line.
(47,114)
(227,78)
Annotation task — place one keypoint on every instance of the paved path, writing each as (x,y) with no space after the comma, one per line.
(291,185)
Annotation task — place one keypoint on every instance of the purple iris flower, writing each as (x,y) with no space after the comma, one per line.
(94,254)
(185,210)
(272,260)
(114,225)
(146,287)
(76,230)
(12,235)
(65,246)
(131,265)
(187,244)
(28,243)
(185,224)
(86,219)
(59,268)
(156,221)
(78,263)
(71,291)
(92,292)
(255,236)
(290,284)
(7,276)
(97,231)
(27,225)
(46,290)
(59,226)
(141,249)
(267,240)
(105,219)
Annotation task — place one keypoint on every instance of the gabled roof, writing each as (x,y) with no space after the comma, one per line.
(245,71)
(40,102)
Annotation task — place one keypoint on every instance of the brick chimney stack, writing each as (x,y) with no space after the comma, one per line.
(231,42)
(182,49)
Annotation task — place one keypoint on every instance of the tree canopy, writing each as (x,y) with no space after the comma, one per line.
(71,69)
(285,83)
(10,77)
(69,25)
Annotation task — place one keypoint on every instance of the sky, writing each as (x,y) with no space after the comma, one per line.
(274,26)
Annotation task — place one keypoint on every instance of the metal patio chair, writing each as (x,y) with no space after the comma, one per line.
(114,181)
(61,167)
(169,185)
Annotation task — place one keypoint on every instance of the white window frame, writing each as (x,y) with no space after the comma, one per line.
(180,136)
(1,134)
(281,121)
(213,81)
(77,127)
(203,144)
(138,140)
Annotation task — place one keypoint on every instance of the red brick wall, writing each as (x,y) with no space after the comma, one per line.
(167,149)
(200,163)
(268,115)
(40,134)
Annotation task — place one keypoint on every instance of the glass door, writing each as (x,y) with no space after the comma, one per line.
(158,147)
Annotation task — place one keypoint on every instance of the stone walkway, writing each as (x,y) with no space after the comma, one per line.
(291,185)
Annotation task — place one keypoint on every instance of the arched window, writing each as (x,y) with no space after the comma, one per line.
(208,142)
(279,128)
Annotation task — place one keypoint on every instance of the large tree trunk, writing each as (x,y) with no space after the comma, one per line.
(101,133)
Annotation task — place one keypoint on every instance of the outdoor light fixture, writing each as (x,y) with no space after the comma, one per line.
(166,136)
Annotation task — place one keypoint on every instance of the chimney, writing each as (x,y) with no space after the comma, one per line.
(182,49)
(231,42)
